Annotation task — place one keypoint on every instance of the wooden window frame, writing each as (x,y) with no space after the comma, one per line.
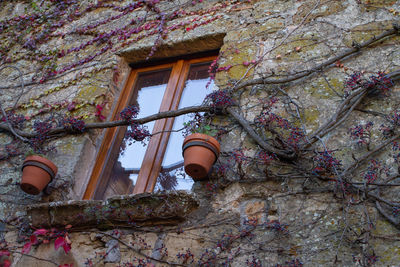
(151,164)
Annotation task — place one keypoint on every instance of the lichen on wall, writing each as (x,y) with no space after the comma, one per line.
(318,187)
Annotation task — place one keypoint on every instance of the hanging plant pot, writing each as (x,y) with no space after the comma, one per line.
(37,172)
(200,152)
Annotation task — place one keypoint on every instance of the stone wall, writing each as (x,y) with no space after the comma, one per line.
(291,67)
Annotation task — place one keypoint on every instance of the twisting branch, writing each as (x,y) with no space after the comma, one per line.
(34,257)
(302,74)
(11,128)
(352,167)
(246,126)
(22,81)
(391,219)
(339,117)
(110,124)
(278,45)
(369,154)
(138,251)
(343,111)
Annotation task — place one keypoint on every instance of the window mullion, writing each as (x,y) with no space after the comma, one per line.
(168,124)
(151,161)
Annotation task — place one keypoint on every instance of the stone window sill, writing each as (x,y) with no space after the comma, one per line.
(148,209)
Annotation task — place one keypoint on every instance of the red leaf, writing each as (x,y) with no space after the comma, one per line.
(33,239)
(59,242)
(67,248)
(66,265)
(98,114)
(40,232)
(62,242)
(26,248)
(99,108)
(6,263)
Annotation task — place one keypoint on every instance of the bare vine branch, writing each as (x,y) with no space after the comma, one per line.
(110,124)
(139,252)
(10,127)
(388,217)
(22,85)
(343,111)
(369,154)
(246,126)
(321,66)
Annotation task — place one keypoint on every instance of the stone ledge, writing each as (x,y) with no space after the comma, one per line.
(146,209)
(186,45)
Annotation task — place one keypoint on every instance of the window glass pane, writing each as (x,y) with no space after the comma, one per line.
(149,92)
(149,101)
(172,175)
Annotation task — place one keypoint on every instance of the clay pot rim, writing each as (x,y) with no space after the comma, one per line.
(204,138)
(44,161)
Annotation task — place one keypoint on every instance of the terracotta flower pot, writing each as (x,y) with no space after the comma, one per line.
(37,172)
(200,152)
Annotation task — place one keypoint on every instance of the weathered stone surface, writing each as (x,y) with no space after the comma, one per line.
(258,213)
(122,211)
(188,44)
(314,9)
(113,253)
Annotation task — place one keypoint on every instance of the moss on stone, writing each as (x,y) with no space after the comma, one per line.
(320,88)
(366,31)
(371,5)
(272,6)
(88,92)
(325,8)
(271,26)
(244,53)
(311,115)
(390,255)
(304,45)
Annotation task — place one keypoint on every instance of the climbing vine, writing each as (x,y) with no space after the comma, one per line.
(64,94)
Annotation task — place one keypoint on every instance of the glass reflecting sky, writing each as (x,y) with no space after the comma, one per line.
(151,87)
(149,99)
(193,95)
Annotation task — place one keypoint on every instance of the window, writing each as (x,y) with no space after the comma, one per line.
(137,168)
